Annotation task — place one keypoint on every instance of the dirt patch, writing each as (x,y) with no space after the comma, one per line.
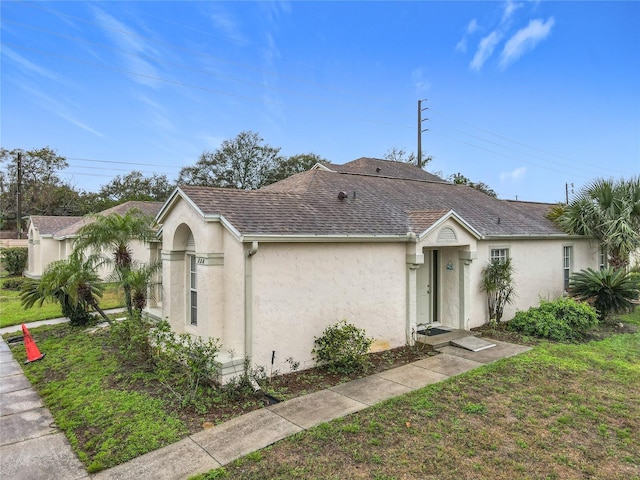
(280,386)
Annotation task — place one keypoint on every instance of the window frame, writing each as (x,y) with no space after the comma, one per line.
(501,254)
(567,265)
(603,258)
(193,289)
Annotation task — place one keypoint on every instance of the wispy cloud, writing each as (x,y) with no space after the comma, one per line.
(126,38)
(509,8)
(28,66)
(525,40)
(226,25)
(518,44)
(420,83)
(461,46)
(472,26)
(485,50)
(59,108)
(516,174)
(157,114)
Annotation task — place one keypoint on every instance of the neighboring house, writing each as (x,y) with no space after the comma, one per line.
(382,244)
(51,238)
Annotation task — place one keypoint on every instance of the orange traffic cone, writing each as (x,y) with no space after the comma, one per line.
(33,354)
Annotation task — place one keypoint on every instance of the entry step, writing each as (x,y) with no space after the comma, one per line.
(474,344)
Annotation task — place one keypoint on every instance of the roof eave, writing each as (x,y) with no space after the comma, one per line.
(314,238)
(536,236)
(172,200)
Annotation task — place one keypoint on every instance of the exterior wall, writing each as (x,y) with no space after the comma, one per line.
(299,289)
(263,297)
(538,271)
(220,279)
(34,267)
(48,253)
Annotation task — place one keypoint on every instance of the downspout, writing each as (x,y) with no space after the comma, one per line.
(248,301)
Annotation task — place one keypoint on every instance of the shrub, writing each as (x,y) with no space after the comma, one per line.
(497,282)
(611,290)
(561,320)
(14,259)
(188,358)
(14,284)
(342,348)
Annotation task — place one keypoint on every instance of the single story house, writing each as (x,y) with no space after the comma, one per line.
(51,238)
(382,244)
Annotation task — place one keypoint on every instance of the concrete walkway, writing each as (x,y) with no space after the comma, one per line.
(52,321)
(31,448)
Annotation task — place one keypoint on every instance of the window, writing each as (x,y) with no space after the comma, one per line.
(603,258)
(499,254)
(567,254)
(193,292)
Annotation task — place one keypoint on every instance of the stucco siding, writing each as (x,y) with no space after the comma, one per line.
(538,271)
(232,301)
(220,278)
(299,289)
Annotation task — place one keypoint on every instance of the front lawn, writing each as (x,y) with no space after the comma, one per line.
(12,312)
(114,407)
(556,412)
(559,411)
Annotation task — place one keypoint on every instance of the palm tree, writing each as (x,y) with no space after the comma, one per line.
(140,279)
(608,211)
(114,233)
(497,281)
(73,283)
(610,290)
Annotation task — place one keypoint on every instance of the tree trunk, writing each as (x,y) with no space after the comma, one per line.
(97,308)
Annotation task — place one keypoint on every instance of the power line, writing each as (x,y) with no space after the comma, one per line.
(185,50)
(116,162)
(186,67)
(513,158)
(573,165)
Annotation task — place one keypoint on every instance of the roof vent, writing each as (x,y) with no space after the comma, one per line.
(378,169)
(342,195)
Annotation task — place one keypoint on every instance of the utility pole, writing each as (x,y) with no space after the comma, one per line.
(19,196)
(566,191)
(421,130)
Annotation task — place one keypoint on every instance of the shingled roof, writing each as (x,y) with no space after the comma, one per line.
(61,227)
(48,225)
(325,202)
(383,168)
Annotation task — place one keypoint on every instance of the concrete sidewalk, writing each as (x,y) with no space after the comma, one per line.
(219,445)
(52,321)
(32,448)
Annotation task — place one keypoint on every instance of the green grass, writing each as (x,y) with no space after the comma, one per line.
(105,424)
(632,318)
(558,411)
(13,313)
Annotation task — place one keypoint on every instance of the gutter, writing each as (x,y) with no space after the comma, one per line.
(311,238)
(248,301)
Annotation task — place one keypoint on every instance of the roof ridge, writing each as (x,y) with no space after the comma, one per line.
(395,178)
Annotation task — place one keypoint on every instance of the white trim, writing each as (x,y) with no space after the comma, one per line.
(319,166)
(443,219)
(310,238)
(171,201)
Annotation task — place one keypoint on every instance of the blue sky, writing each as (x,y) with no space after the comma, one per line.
(524,96)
